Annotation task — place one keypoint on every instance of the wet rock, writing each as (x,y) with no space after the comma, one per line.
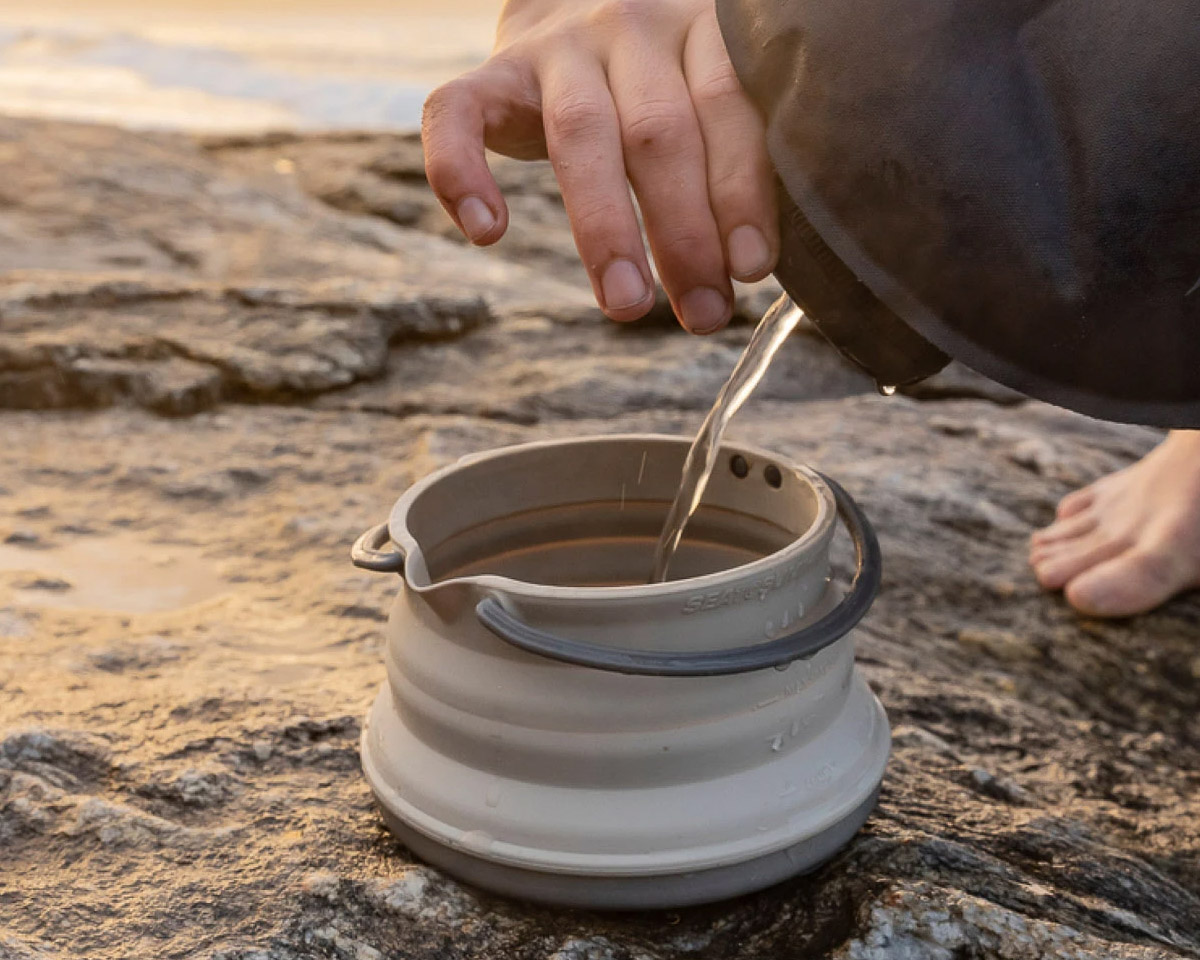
(1060,806)
(586,371)
(88,346)
(52,584)
(384,176)
(145,655)
(183,780)
(13,625)
(192,788)
(999,788)
(936,924)
(1002,644)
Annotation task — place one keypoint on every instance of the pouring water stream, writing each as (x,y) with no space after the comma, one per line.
(779,321)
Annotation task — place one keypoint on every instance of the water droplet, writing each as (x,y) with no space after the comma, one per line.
(493,795)
(886,390)
(476,840)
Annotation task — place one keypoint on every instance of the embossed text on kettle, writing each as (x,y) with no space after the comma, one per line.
(758,590)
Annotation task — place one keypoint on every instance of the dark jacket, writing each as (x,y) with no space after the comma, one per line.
(1015,184)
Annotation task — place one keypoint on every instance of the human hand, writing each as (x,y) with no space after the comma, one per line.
(614,91)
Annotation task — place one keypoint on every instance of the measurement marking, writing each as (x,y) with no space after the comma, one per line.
(642,468)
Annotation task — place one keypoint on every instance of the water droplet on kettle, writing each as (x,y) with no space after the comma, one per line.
(493,795)
(476,840)
(887,390)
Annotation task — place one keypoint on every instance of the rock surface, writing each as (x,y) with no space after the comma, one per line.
(218,367)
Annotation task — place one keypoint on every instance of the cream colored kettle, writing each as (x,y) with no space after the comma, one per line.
(554,728)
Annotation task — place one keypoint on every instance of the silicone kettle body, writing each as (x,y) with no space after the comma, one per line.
(1015,186)
(553,727)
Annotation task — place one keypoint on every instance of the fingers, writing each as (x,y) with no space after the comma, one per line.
(665,162)
(584,142)
(453,132)
(740,180)
(606,97)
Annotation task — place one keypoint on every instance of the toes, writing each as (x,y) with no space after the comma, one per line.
(1073,503)
(1055,568)
(1128,584)
(1068,528)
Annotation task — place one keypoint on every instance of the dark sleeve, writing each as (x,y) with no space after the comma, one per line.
(1014,184)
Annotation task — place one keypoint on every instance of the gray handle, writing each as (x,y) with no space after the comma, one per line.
(368,552)
(744,658)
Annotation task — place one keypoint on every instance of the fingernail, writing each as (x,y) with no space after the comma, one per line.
(704,310)
(749,254)
(476,218)
(622,285)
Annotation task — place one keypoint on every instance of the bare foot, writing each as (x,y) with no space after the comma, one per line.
(1131,540)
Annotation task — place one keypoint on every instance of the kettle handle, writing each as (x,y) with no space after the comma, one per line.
(801,645)
(368,553)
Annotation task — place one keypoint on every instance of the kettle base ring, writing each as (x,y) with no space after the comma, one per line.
(667,881)
(655,892)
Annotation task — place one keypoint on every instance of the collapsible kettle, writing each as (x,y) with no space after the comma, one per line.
(1014,185)
(554,727)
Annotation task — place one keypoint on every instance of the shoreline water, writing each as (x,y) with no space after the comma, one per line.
(221,67)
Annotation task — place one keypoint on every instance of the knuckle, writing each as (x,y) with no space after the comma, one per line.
(739,192)
(690,246)
(656,128)
(598,220)
(625,14)
(718,86)
(442,100)
(575,117)
(731,185)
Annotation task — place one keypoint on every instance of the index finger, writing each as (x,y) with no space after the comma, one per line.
(453,127)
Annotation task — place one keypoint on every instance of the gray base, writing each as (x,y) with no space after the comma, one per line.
(653,892)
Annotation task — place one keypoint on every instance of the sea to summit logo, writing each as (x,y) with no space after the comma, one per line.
(758,590)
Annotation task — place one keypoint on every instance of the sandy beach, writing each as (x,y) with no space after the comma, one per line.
(229,67)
